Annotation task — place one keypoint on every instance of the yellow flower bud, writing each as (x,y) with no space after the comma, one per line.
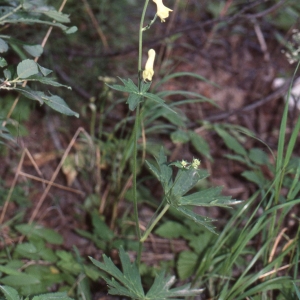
(149,72)
(162,11)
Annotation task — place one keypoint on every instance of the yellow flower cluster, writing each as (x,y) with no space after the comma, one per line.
(162,13)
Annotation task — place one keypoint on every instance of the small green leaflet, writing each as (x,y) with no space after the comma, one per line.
(27,68)
(58,104)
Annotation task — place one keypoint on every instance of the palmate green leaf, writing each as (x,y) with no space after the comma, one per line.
(208,197)
(58,104)
(127,283)
(133,101)
(27,68)
(129,86)
(165,171)
(160,101)
(161,289)
(9,293)
(153,169)
(119,88)
(204,221)
(186,179)
(145,86)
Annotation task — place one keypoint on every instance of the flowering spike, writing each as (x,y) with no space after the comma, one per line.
(162,11)
(149,69)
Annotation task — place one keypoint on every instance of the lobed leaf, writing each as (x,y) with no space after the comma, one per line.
(208,197)
(161,289)
(204,221)
(158,100)
(186,179)
(128,283)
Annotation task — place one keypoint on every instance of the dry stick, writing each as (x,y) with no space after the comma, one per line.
(261,40)
(36,167)
(62,187)
(214,29)
(36,59)
(12,187)
(168,29)
(95,23)
(43,197)
(276,244)
(275,271)
(103,200)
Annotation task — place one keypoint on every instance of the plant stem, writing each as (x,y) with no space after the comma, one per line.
(10,13)
(136,133)
(141,42)
(134,185)
(148,231)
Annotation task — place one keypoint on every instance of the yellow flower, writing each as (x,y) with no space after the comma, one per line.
(162,11)
(149,72)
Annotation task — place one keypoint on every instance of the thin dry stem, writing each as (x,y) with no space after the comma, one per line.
(103,200)
(44,195)
(276,244)
(275,271)
(62,187)
(96,25)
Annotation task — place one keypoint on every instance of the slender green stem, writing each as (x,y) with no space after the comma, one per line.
(141,41)
(136,133)
(10,13)
(134,184)
(148,231)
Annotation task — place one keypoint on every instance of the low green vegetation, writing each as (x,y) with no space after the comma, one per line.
(250,252)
